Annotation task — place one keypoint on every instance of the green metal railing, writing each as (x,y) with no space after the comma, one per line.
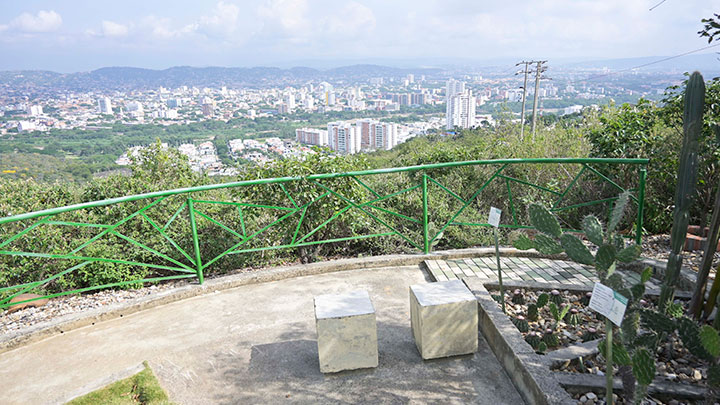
(191,263)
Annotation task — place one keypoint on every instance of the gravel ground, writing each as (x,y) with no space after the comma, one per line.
(653,246)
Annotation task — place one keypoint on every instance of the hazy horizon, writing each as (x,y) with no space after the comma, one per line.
(85,35)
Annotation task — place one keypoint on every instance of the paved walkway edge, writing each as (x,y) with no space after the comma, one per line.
(74,321)
(527,370)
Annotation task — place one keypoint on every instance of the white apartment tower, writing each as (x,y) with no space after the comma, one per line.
(460,108)
(311,136)
(376,135)
(454,87)
(105,106)
(461,111)
(343,137)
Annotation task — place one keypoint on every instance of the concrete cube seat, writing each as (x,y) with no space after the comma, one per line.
(444,319)
(347,331)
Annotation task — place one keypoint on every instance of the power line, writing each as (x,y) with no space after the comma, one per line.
(657,5)
(651,63)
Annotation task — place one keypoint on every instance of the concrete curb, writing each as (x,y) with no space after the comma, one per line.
(528,371)
(582,383)
(69,322)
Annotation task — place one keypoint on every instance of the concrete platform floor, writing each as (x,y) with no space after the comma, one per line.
(255,344)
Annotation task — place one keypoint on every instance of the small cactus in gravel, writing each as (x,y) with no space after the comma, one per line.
(573,318)
(590,334)
(585,299)
(542,348)
(542,300)
(521,323)
(556,297)
(518,297)
(550,338)
(533,340)
(532,312)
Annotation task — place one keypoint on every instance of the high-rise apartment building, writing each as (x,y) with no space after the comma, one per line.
(34,110)
(376,135)
(312,136)
(343,137)
(460,108)
(105,105)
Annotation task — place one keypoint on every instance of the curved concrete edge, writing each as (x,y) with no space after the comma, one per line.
(528,371)
(101,383)
(78,320)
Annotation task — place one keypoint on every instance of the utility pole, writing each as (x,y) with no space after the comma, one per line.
(524,87)
(538,71)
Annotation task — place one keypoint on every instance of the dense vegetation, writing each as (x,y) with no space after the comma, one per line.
(642,130)
(76,155)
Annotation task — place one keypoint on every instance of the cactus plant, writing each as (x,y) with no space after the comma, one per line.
(542,348)
(542,300)
(585,299)
(533,339)
(590,334)
(556,297)
(611,249)
(521,323)
(518,297)
(573,318)
(532,312)
(550,338)
(558,314)
(687,179)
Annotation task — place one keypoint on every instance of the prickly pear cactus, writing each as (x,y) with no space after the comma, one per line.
(710,340)
(547,245)
(544,221)
(576,249)
(532,312)
(643,366)
(542,300)
(593,229)
(689,333)
(657,322)
(521,324)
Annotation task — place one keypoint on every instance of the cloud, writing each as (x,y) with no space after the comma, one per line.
(353,19)
(43,21)
(113,29)
(291,15)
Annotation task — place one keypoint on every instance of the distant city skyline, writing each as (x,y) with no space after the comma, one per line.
(85,35)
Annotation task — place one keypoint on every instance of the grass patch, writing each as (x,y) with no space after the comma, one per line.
(142,388)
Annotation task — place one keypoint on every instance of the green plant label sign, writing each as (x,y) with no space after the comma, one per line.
(608,303)
(494,218)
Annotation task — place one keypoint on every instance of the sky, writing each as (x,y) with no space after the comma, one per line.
(82,35)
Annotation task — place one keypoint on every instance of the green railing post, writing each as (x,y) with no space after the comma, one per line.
(196,243)
(426,236)
(641,205)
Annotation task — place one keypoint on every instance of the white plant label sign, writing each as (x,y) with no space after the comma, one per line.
(608,303)
(494,218)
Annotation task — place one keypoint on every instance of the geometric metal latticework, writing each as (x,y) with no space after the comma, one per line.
(179,251)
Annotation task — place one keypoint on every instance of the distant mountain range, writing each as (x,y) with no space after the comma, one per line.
(35,82)
(130,78)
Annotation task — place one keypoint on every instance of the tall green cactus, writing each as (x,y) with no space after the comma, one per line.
(687,179)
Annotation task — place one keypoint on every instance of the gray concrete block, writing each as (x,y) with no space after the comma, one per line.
(347,331)
(444,319)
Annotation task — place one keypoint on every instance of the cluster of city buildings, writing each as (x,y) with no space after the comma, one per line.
(363,135)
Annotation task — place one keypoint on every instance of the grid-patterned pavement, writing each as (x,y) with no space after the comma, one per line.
(522,269)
